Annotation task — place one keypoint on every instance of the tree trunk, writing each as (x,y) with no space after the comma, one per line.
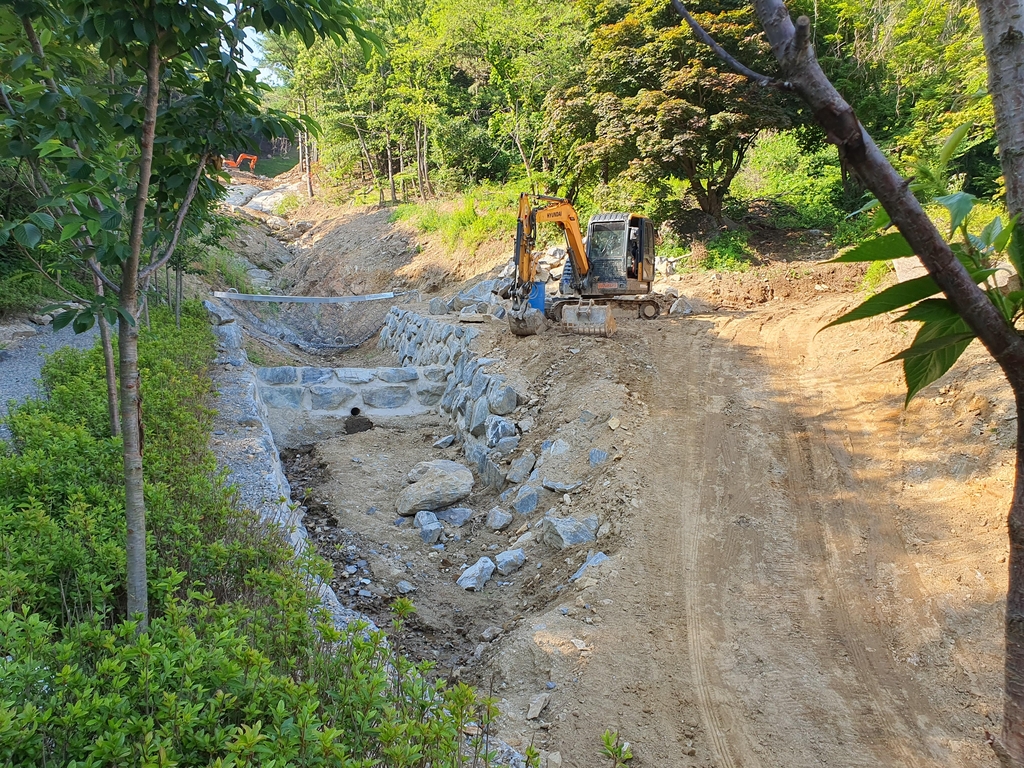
(1002,27)
(1010,746)
(309,170)
(108,364)
(426,168)
(178,291)
(128,346)
(391,172)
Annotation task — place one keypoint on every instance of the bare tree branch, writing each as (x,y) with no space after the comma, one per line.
(702,35)
(178,222)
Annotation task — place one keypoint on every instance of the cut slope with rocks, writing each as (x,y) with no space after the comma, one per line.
(717,534)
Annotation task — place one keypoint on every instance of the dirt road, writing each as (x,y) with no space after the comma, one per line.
(796,603)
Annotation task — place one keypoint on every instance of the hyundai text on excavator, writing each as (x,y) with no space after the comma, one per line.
(613,267)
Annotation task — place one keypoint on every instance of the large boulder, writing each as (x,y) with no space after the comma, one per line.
(565,532)
(435,485)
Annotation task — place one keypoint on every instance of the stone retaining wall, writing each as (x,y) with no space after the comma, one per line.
(244,445)
(306,404)
(479,406)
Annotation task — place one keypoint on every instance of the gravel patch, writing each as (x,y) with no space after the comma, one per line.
(20,365)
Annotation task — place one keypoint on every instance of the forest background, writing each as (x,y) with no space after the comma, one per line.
(616,106)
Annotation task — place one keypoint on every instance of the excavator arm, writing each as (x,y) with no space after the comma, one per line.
(553,210)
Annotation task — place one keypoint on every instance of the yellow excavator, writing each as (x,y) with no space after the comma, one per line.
(613,267)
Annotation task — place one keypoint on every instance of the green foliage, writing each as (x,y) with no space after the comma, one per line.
(289,203)
(805,186)
(943,335)
(728,252)
(616,750)
(232,671)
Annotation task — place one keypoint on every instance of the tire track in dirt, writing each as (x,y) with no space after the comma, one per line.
(778,552)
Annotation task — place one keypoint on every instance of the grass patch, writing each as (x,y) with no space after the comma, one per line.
(875,276)
(478,216)
(727,252)
(232,670)
(275,166)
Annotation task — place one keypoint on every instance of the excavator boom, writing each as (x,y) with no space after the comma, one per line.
(552,210)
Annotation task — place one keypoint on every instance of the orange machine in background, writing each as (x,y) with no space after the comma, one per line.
(241,159)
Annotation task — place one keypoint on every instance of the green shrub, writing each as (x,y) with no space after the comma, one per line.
(240,665)
(728,252)
(807,184)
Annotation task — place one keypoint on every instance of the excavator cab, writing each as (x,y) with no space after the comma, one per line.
(620,249)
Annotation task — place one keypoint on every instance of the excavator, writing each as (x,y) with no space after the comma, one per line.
(251,159)
(613,267)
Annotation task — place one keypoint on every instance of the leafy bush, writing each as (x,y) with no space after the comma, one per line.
(809,184)
(232,670)
(727,252)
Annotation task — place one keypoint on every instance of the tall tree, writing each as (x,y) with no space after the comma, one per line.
(179,93)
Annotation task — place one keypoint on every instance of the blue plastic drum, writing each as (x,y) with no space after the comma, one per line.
(538,296)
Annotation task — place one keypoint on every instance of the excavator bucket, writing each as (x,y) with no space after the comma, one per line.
(588,319)
(526,321)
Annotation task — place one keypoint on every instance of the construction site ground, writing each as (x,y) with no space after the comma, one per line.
(802,572)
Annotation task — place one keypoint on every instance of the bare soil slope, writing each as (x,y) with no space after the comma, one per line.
(803,573)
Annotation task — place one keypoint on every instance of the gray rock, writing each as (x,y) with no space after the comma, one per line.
(438,306)
(478,384)
(492,474)
(498,519)
(592,561)
(424,518)
(355,375)
(490,634)
(431,533)
(397,375)
(565,532)
(435,485)
(457,516)
(509,561)
(283,375)
(502,400)
(558,448)
(507,445)
(282,397)
(526,500)
(559,486)
(316,375)
(496,428)
(680,307)
(477,574)
(537,705)
(444,442)
(240,194)
(394,396)
(521,468)
(597,456)
(326,398)
(404,587)
(477,421)
(436,373)
(430,394)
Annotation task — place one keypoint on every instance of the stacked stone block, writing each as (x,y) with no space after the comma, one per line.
(476,403)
